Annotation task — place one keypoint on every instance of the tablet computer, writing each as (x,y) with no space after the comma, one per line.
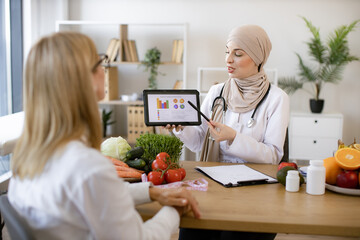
(170,106)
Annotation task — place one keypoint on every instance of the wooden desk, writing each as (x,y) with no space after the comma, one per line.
(268,208)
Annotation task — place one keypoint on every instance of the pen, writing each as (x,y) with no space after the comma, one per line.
(191,104)
(253,182)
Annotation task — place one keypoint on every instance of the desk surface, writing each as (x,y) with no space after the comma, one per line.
(268,208)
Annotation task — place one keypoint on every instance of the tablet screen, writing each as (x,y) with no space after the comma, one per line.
(163,107)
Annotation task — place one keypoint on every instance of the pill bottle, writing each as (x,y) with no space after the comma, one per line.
(315,178)
(292,181)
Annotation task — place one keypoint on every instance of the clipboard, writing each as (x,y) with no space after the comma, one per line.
(236,175)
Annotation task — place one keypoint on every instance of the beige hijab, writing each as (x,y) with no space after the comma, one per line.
(242,95)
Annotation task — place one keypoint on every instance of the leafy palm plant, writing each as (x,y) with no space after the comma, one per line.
(331,59)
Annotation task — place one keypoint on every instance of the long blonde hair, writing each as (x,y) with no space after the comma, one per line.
(59,101)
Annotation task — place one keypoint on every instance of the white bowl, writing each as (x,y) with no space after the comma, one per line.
(125,98)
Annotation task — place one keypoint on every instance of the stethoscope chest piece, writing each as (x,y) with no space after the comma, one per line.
(250,123)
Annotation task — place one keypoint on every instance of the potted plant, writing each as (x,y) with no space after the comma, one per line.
(106,116)
(330,60)
(151,63)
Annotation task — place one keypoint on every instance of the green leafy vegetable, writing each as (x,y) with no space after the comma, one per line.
(156,143)
(115,147)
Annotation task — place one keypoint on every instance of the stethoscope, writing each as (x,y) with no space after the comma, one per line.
(223,105)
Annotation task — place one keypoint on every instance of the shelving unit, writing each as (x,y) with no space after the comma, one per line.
(131,78)
(102,32)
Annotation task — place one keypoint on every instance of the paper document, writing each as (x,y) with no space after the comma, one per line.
(236,175)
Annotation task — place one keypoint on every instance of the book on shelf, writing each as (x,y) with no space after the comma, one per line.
(178,84)
(110,48)
(174,51)
(115,51)
(111,84)
(179,51)
(133,51)
(126,47)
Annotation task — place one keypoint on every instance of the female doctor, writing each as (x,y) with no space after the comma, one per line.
(249,114)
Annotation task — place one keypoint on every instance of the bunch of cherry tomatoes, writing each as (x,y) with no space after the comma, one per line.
(164,170)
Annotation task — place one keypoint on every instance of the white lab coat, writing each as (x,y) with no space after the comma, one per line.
(263,143)
(79,196)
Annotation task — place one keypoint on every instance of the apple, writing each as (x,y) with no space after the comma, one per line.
(290,164)
(347,179)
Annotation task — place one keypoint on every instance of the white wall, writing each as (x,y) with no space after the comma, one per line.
(209,22)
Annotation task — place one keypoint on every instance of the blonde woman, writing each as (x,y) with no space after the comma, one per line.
(61,183)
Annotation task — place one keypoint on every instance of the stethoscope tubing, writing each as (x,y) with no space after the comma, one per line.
(251,121)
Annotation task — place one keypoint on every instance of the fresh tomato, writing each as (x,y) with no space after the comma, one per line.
(290,164)
(164,157)
(158,164)
(155,177)
(172,175)
(182,172)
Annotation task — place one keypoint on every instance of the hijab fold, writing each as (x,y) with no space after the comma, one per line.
(241,95)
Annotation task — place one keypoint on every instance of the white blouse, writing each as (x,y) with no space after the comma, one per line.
(262,143)
(79,196)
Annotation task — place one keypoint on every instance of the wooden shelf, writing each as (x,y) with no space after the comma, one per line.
(136,63)
(120,102)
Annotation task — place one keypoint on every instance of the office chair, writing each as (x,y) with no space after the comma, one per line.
(285,158)
(17,227)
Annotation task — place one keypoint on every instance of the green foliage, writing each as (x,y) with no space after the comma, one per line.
(330,57)
(106,116)
(151,63)
(156,143)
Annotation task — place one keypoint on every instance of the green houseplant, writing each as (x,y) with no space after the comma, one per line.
(106,116)
(151,63)
(330,60)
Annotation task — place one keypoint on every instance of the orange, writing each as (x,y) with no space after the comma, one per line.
(332,170)
(348,158)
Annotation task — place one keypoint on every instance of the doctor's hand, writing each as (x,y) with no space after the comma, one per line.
(171,127)
(220,132)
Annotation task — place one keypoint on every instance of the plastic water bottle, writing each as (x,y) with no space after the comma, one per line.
(292,181)
(315,178)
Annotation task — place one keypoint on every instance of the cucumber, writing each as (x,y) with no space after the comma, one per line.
(136,152)
(137,163)
(147,169)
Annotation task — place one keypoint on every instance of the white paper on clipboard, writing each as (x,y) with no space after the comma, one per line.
(236,175)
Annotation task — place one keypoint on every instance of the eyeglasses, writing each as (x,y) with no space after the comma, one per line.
(103,58)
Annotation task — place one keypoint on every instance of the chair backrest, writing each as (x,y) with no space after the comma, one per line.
(17,227)
(285,158)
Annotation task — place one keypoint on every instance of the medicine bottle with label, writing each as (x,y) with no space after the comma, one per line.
(315,178)
(292,181)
